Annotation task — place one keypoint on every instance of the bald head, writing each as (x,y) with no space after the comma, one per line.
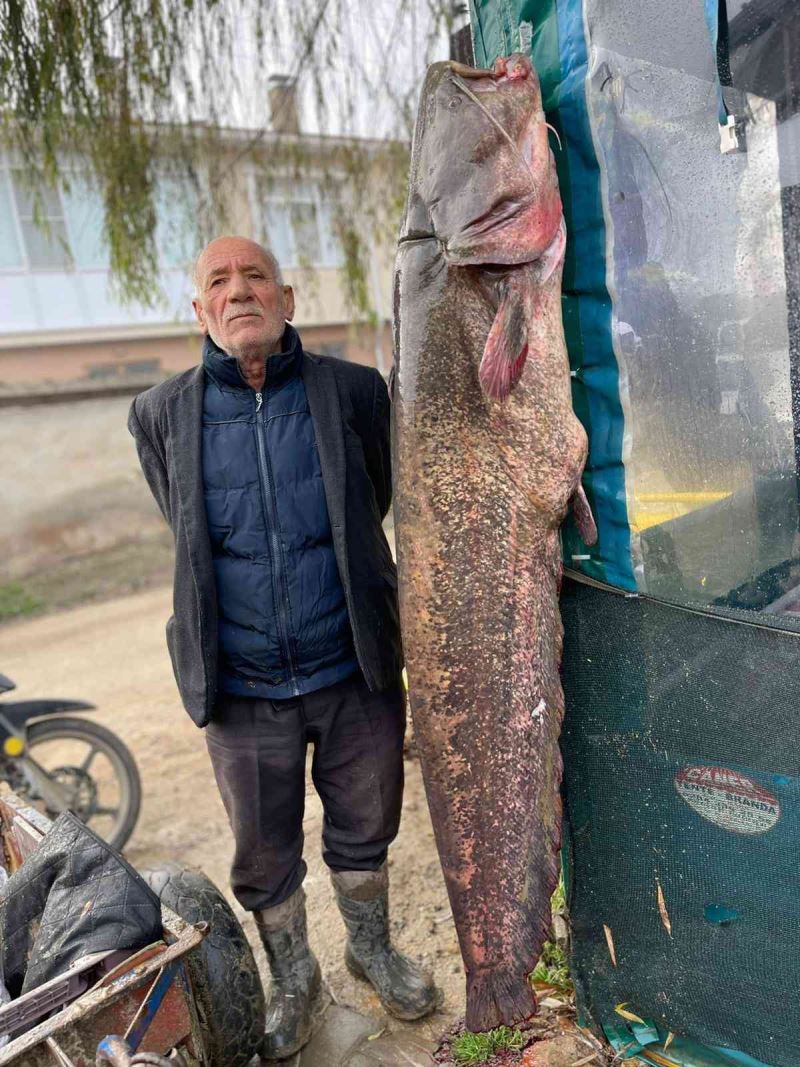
(240,298)
(227,242)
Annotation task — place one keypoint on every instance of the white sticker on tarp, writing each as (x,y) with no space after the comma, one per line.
(728,799)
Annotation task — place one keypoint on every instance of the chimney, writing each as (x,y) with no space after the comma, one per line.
(461,35)
(283,109)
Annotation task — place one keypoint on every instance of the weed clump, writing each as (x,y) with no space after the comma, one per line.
(553,968)
(470,1049)
(16,601)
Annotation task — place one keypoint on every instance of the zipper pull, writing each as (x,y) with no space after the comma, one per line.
(259,402)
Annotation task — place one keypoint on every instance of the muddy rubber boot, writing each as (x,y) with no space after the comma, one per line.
(296,977)
(405,990)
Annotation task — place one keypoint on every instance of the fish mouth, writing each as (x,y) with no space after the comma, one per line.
(515,67)
(463,71)
(515,217)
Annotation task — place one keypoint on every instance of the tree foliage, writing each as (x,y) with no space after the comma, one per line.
(133,89)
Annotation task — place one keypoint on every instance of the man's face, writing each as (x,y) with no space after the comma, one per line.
(239,301)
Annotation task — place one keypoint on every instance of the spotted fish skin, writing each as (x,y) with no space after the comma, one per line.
(487,455)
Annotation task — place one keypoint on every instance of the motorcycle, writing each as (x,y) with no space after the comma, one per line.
(64,763)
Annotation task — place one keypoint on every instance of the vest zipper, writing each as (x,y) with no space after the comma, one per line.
(279,588)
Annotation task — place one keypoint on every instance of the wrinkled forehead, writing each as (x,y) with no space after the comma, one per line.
(226,257)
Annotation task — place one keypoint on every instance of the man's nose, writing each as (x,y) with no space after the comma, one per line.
(239,287)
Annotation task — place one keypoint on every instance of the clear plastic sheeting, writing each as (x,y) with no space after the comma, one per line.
(702,224)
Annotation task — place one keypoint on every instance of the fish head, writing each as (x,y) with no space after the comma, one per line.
(483,178)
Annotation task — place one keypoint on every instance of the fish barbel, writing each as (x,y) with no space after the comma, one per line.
(487,457)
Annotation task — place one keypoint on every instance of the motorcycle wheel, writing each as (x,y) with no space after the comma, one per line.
(114,822)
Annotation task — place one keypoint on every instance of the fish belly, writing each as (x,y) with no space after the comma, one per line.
(482,638)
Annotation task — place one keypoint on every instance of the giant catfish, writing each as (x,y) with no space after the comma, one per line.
(487,456)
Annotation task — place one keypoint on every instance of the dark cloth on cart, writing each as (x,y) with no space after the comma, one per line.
(258,751)
(72,897)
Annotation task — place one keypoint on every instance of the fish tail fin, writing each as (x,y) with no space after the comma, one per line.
(506,346)
(498,997)
(499,993)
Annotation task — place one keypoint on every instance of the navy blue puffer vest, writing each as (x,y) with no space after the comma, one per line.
(283,623)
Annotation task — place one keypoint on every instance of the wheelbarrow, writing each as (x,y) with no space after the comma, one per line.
(154,1006)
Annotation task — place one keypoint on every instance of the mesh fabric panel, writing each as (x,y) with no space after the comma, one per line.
(681,772)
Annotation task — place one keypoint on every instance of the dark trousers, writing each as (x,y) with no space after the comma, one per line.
(258,752)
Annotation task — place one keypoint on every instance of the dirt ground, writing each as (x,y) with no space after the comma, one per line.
(114,655)
(81,536)
(78,524)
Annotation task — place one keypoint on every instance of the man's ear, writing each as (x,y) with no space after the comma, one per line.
(201,318)
(288,296)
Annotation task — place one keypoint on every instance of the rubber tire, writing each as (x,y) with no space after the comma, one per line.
(64,726)
(225,979)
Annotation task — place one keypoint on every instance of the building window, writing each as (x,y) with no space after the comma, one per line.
(84,212)
(298,225)
(138,368)
(102,371)
(177,208)
(45,248)
(73,237)
(142,367)
(10,248)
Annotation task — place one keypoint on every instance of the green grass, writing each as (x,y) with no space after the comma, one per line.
(558,901)
(553,968)
(16,600)
(67,582)
(469,1049)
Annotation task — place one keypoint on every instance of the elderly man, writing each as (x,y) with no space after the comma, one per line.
(271,466)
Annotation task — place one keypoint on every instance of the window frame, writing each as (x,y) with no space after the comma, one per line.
(21,219)
(7,167)
(71,171)
(309,193)
(5,170)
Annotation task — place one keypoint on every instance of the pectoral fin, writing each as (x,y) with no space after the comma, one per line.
(507,344)
(582,514)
